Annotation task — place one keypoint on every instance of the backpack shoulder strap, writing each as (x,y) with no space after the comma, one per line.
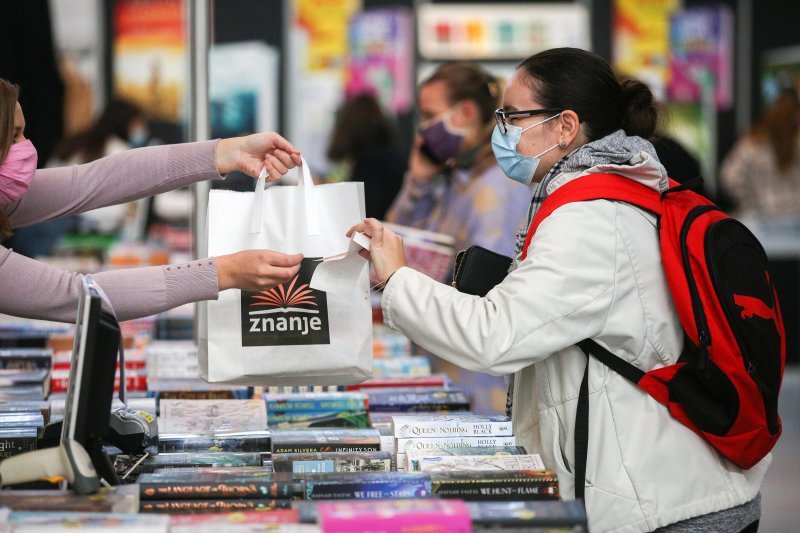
(595,187)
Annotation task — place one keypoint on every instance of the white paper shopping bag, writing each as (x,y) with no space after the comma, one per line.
(291,334)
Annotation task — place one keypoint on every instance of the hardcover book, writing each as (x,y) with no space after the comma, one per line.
(316,401)
(82,521)
(318,419)
(302,463)
(428,515)
(198,416)
(214,523)
(414,455)
(185,460)
(211,506)
(221,441)
(567,516)
(26,358)
(480,463)
(367,486)
(411,401)
(440,381)
(196,485)
(452,426)
(404,445)
(121,499)
(325,440)
(512,485)
(16,441)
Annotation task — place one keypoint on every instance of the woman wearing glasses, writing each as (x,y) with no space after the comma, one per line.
(453,185)
(592,270)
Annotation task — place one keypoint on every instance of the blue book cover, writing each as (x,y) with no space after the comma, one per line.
(367,485)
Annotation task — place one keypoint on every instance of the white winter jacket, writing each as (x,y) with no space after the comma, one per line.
(592,270)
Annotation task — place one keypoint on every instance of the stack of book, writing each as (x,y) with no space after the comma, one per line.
(448,431)
(317,409)
(207,491)
(24,388)
(302,451)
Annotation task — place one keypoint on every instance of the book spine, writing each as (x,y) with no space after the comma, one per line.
(391,489)
(211,506)
(255,445)
(402,445)
(488,490)
(306,447)
(311,406)
(453,429)
(225,490)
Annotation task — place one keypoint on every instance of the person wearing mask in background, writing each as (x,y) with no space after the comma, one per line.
(32,289)
(120,127)
(762,172)
(592,271)
(453,184)
(363,147)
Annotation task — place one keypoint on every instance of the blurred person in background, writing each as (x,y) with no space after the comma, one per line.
(453,184)
(762,171)
(32,289)
(363,147)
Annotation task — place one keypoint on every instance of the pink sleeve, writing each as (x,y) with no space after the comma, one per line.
(116,179)
(32,289)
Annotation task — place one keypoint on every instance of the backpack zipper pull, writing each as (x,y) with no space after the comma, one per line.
(754,374)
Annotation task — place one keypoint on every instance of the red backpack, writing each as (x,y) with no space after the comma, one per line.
(725,384)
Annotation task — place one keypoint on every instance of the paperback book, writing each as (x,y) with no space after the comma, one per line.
(26,358)
(440,381)
(426,515)
(316,401)
(179,484)
(367,486)
(187,460)
(452,426)
(303,463)
(325,440)
(82,521)
(414,455)
(422,401)
(198,416)
(221,441)
(480,463)
(517,485)
(491,516)
(121,499)
(318,419)
(211,506)
(214,523)
(432,443)
(15,441)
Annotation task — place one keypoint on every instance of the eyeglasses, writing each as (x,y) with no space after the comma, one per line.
(502,116)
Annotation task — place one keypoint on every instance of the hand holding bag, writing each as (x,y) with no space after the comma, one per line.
(291,334)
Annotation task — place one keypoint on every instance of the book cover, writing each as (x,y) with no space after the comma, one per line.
(235,441)
(191,485)
(567,516)
(197,416)
(395,516)
(16,441)
(325,440)
(452,426)
(480,463)
(81,521)
(316,401)
(414,455)
(121,499)
(318,419)
(413,401)
(211,506)
(367,486)
(404,445)
(184,460)
(302,463)
(496,485)
(26,358)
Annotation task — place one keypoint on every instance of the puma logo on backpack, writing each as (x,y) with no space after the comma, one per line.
(725,383)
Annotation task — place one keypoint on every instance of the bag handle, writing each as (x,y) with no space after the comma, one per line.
(305,182)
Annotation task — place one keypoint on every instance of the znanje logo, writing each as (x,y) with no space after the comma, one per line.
(289,314)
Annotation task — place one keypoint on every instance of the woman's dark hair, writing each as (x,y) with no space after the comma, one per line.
(9,94)
(90,144)
(780,128)
(571,78)
(360,125)
(470,81)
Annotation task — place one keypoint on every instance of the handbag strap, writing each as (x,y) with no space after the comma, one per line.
(304,182)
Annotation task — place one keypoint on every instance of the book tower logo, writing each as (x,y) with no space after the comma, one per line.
(290,314)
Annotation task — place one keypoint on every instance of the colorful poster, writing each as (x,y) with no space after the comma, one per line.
(325,25)
(640,44)
(701,40)
(499,31)
(381,57)
(150,55)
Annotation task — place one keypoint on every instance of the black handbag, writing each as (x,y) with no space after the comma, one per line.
(478,270)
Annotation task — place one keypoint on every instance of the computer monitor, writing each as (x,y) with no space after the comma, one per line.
(91,381)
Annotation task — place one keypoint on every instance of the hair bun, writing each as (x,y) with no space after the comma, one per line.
(641,111)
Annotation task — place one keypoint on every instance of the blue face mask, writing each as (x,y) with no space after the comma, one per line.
(504,145)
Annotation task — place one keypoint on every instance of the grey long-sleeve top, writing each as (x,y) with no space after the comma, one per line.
(32,289)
